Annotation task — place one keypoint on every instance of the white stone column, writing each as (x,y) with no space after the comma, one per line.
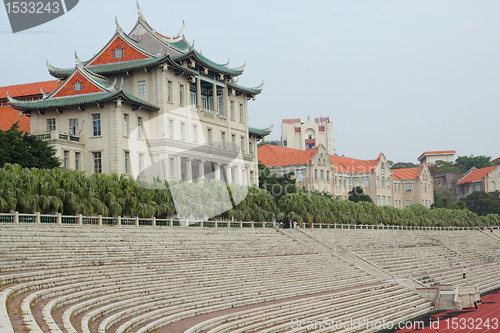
(198,93)
(179,168)
(244,176)
(229,178)
(237,176)
(189,170)
(215,102)
(217,170)
(201,170)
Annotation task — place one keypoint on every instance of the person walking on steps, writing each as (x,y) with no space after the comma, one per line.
(464,273)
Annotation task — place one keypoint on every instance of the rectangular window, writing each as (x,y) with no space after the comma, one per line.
(172,167)
(233,141)
(127,162)
(408,203)
(125,125)
(300,175)
(192,99)
(142,88)
(171,128)
(96,125)
(139,127)
(232,110)
(221,106)
(389,202)
(242,144)
(328,176)
(408,187)
(388,182)
(169,91)
(383,200)
(365,182)
(51,124)
(183,131)
(241,113)
(209,136)
(355,181)
(223,139)
(66,159)
(73,126)
(181,94)
(250,148)
(315,175)
(96,156)
(77,161)
(195,133)
(378,200)
(204,102)
(141,164)
(345,181)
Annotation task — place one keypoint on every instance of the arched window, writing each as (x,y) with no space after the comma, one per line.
(492,186)
(77,86)
(118,53)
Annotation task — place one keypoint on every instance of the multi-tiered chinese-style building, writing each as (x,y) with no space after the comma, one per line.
(149,105)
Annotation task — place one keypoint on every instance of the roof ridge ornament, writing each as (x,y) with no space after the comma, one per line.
(181,32)
(139,12)
(44,95)
(11,100)
(121,85)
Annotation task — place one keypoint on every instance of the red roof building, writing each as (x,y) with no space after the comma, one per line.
(430,157)
(485,179)
(24,92)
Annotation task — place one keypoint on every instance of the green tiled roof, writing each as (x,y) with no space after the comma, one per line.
(209,63)
(80,100)
(260,132)
(252,91)
(109,68)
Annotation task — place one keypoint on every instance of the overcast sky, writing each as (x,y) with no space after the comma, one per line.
(398,77)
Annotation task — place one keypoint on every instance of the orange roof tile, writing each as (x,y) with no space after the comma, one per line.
(272,156)
(408,173)
(443,152)
(477,174)
(9,116)
(29,89)
(352,165)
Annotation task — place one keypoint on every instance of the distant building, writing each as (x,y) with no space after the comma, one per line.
(314,170)
(413,185)
(496,161)
(307,135)
(485,179)
(23,92)
(430,157)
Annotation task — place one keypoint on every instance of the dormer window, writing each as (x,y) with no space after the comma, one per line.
(77,86)
(118,53)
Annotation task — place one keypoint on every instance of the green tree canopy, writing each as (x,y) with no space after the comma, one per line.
(26,150)
(403,165)
(357,195)
(274,183)
(483,203)
(467,162)
(272,143)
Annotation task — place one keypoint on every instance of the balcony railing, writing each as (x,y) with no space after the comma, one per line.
(58,136)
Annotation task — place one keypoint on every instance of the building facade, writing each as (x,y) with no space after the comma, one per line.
(485,179)
(430,157)
(413,186)
(307,135)
(148,105)
(314,169)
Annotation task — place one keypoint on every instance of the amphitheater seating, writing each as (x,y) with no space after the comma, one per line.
(104,279)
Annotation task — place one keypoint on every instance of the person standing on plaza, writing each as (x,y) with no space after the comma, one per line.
(464,273)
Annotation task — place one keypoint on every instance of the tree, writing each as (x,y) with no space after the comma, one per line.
(467,162)
(403,165)
(274,183)
(443,198)
(483,203)
(272,143)
(357,195)
(26,150)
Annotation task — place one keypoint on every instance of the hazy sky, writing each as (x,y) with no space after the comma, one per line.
(398,77)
